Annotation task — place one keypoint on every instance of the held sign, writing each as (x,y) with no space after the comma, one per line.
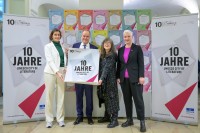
(83,66)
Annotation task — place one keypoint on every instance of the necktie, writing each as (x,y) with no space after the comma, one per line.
(84,46)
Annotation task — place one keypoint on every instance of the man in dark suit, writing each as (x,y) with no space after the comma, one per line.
(130,75)
(81,88)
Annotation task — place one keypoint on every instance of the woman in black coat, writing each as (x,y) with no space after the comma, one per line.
(108,80)
(130,74)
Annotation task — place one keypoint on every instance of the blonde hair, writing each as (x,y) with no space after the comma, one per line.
(128,32)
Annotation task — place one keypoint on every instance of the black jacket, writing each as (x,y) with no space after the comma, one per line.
(134,65)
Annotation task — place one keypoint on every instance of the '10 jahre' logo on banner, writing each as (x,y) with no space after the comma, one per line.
(83,68)
(25,62)
(175,61)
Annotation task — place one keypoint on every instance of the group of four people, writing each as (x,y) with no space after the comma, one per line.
(129,73)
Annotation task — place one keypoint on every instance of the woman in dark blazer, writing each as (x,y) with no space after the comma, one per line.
(130,74)
(108,80)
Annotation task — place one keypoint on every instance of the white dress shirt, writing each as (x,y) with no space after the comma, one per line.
(82,46)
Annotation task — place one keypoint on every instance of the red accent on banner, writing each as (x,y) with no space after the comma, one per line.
(92,79)
(133,26)
(103,26)
(175,106)
(147,26)
(88,27)
(74,27)
(119,25)
(30,103)
(147,67)
(147,46)
(60,26)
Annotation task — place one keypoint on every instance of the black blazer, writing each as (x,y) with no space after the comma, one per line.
(134,65)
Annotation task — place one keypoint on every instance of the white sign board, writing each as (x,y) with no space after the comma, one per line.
(83,66)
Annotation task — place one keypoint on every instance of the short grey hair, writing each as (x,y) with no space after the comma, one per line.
(128,32)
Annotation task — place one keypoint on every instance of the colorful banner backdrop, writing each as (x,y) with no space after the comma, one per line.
(100,19)
(70,38)
(71,19)
(115,20)
(85,20)
(56,19)
(83,66)
(174,69)
(98,36)
(108,23)
(117,37)
(144,39)
(143,19)
(148,74)
(135,36)
(129,19)
(24,61)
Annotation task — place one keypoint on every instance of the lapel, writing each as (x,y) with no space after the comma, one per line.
(89,45)
(122,54)
(54,48)
(79,45)
(132,51)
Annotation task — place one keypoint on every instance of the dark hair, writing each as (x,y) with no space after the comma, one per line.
(52,32)
(112,49)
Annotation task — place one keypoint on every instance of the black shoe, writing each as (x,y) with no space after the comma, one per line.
(78,120)
(129,122)
(90,121)
(142,126)
(112,124)
(104,119)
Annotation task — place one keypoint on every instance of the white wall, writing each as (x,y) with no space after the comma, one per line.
(41,7)
(63,4)
(100,4)
(16,7)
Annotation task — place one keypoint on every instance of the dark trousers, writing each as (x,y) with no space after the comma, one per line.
(106,115)
(134,90)
(80,88)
